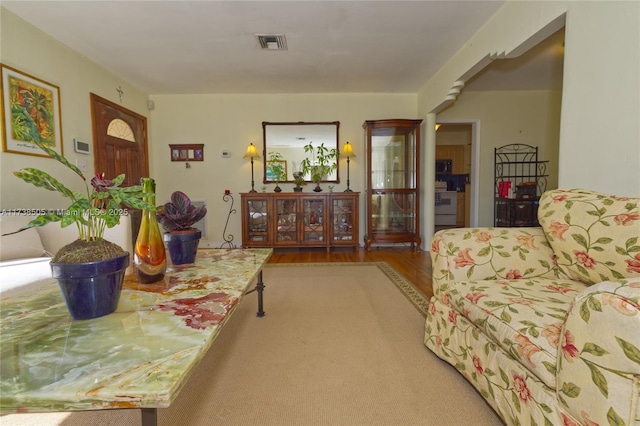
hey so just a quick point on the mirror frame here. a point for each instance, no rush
(308, 137)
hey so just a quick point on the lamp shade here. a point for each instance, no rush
(347, 150)
(252, 152)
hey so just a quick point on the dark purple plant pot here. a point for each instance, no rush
(91, 289)
(182, 246)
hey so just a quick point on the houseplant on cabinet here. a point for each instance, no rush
(276, 169)
(298, 179)
(323, 162)
(89, 270)
(177, 218)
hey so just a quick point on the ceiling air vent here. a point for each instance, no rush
(272, 41)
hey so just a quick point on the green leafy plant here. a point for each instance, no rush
(275, 167)
(99, 208)
(179, 214)
(299, 181)
(322, 161)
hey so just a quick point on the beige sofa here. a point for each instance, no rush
(25, 256)
(545, 322)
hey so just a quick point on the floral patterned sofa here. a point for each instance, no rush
(545, 322)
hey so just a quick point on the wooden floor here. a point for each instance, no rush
(415, 266)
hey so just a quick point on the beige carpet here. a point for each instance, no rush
(339, 345)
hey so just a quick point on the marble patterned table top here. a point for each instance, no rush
(137, 357)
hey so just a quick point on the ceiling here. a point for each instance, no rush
(171, 47)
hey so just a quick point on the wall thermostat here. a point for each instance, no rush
(81, 147)
(225, 153)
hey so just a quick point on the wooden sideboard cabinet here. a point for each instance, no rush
(298, 219)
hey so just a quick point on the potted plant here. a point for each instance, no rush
(177, 218)
(275, 168)
(298, 179)
(89, 270)
(323, 161)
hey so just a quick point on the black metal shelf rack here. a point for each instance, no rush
(519, 180)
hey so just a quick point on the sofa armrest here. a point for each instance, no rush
(598, 376)
(463, 254)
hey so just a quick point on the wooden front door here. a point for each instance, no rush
(120, 141)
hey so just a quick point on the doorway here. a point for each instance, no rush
(120, 141)
(459, 142)
(120, 147)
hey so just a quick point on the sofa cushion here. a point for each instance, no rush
(25, 244)
(595, 237)
(523, 316)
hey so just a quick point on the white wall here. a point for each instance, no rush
(231, 122)
(527, 117)
(24, 47)
(600, 134)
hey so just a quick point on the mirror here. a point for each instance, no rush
(284, 144)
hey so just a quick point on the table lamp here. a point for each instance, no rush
(252, 152)
(348, 151)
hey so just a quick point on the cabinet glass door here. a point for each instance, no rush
(257, 220)
(393, 159)
(393, 182)
(393, 212)
(314, 217)
(343, 219)
(287, 221)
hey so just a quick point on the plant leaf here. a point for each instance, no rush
(598, 379)
(181, 201)
(585, 314)
(632, 352)
(594, 349)
(614, 419)
(58, 157)
(570, 389)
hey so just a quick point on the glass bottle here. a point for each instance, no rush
(150, 259)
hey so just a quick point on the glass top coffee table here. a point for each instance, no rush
(140, 356)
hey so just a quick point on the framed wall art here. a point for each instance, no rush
(187, 152)
(31, 109)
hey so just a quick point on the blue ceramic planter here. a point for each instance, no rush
(182, 247)
(91, 289)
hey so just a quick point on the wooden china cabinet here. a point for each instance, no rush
(393, 181)
(297, 219)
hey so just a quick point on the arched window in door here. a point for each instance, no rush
(120, 129)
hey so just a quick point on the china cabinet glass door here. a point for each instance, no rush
(287, 220)
(257, 220)
(313, 213)
(344, 214)
(393, 179)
